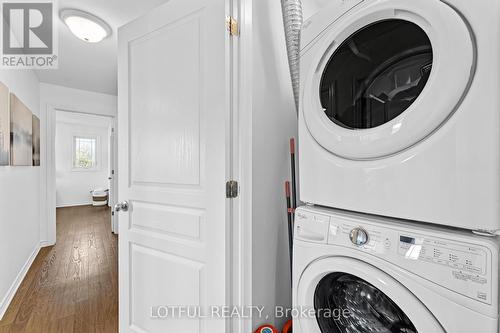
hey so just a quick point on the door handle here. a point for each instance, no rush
(122, 206)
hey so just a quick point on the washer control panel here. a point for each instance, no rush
(463, 257)
(464, 264)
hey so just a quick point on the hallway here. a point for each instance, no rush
(72, 286)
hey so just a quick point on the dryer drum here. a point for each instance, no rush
(367, 308)
(376, 74)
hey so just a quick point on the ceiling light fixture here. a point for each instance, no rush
(85, 26)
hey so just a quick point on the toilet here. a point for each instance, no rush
(99, 197)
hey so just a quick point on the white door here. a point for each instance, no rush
(173, 119)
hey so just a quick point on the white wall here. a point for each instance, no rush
(52, 98)
(19, 199)
(77, 100)
(274, 122)
(73, 186)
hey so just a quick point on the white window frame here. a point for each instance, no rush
(96, 166)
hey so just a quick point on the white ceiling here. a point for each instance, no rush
(88, 66)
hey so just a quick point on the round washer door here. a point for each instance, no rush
(386, 76)
(349, 295)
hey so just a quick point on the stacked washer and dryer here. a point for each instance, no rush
(399, 146)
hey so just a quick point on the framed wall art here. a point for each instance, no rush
(21, 133)
(36, 140)
(4, 126)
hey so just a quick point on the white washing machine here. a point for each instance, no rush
(400, 110)
(359, 274)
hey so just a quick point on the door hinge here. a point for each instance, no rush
(231, 189)
(232, 26)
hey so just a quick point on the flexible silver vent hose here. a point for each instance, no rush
(292, 20)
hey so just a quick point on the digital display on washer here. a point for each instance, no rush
(407, 240)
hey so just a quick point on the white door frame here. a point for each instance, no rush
(241, 245)
(113, 182)
(50, 160)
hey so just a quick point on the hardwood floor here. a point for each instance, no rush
(72, 286)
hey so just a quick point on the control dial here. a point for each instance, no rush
(358, 236)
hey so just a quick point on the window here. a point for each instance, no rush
(376, 74)
(84, 152)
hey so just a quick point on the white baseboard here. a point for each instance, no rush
(74, 204)
(45, 243)
(17, 282)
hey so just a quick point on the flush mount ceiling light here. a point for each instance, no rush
(85, 26)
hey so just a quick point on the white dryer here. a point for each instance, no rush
(358, 274)
(400, 110)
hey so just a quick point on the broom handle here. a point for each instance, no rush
(290, 224)
(294, 182)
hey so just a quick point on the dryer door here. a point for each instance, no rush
(352, 296)
(386, 76)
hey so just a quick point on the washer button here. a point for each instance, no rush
(387, 243)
